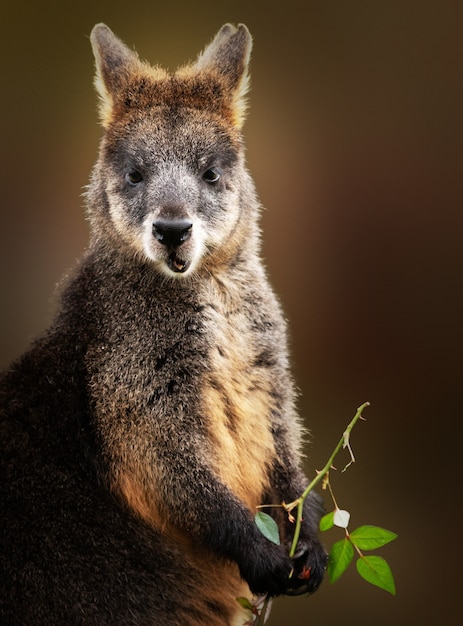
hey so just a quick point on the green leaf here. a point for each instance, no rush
(376, 570)
(339, 559)
(268, 527)
(371, 537)
(327, 521)
(245, 603)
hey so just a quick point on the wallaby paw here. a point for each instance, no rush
(309, 565)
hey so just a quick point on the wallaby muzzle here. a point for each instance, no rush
(172, 233)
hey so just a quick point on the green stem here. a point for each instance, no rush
(343, 443)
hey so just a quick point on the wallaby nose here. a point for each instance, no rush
(172, 233)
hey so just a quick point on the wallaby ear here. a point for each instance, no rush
(114, 62)
(228, 55)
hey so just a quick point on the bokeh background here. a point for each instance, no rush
(354, 139)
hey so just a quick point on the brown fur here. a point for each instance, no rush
(157, 412)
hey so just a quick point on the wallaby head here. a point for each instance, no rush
(170, 186)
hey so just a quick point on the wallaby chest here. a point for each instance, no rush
(184, 366)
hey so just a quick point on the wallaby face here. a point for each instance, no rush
(141, 432)
(174, 177)
(172, 195)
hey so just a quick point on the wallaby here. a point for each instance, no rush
(140, 432)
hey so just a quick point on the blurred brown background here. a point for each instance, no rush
(355, 142)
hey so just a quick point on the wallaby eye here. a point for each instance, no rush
(133, 177)
(212, 175)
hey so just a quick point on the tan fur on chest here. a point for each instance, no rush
(238, 402)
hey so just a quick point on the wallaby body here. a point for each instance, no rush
(142, 430)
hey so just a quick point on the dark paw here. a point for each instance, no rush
(268, 571)
(309, 564)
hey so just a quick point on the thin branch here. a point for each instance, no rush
(343, 443)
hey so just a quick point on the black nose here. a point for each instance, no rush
(172, 233)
